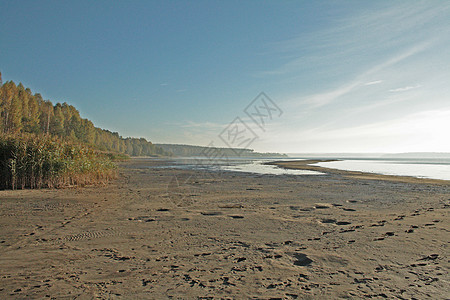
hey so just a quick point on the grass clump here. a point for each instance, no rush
(29, 161)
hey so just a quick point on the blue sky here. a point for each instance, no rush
(349, 76)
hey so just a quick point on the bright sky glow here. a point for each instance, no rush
(350, 76)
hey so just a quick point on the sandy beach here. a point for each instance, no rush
(158, 233)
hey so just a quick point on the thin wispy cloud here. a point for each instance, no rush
(203, 125)
(367, 33)
(324, 98)
(373, 82)
(404, 89)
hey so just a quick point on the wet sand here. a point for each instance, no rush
(308, 164)
(160, 232)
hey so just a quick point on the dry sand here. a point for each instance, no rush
(230, 235)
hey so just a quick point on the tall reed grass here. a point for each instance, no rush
(29, 161)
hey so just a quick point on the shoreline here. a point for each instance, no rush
(306, 165)
(162, 232)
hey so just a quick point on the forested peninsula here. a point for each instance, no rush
(191, 151)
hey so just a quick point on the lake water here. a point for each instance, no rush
(421, 168)
(259, 167)
(247, 165)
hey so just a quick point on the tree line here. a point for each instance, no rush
(214, 152)
(21, 111)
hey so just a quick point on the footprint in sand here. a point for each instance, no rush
(212, 213)
(302, 259)
(343, 223)
(348, 209)
(430, 257)
(300, 208)
(389, 233)
(142, 219)
(322, 206)
(333, 221)
(231, 205)
(411, 229)
(328, 221)
(306, 209)
(237, 217)
(380, 223)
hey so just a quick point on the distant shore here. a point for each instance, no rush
(307, 165)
